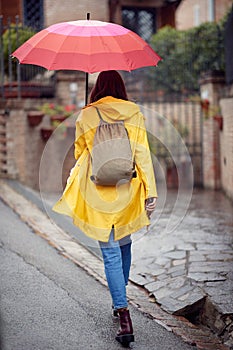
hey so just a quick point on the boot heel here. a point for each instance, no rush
(125, 333)
(125, 339)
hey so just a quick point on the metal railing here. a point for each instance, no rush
(18, 80)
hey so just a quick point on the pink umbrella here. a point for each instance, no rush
(87, 45)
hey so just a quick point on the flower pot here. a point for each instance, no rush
(46, 133)
(55, 120)
(219, 120)
(34, 118)
(172, 177)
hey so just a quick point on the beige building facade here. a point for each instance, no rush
(72, 10)
(192, 13)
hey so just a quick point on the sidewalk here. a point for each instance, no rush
(183, 279)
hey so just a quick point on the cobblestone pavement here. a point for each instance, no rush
(189, 270)
(182, 274)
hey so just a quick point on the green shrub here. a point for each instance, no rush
(12, 38)
(186, 54)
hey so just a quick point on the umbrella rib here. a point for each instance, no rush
(59, 47)
(109, 49)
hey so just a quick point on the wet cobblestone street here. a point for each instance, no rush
(189, 269)
(184, 262)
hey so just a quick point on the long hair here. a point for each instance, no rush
(108, 83)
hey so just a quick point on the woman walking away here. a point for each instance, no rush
(106, 211)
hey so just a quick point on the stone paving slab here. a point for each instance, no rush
(185, 294)
(192, 263)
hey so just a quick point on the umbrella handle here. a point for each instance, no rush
(86, 92)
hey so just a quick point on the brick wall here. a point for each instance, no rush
(190, 12)
(211, 154)
(73, 10)
(221, 7)
(64, 81)
(56, 161)
(29, 158)
(23, 144)
(226, 146)
(218, 136)
(211, 87)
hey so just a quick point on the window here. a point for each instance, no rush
(33, 13)
(196, 15)
(211, 9)
(140, 20)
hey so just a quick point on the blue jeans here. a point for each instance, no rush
(117, 261)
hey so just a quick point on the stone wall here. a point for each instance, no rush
(37, 162)
(226, 146)
(218, 135)
(65, 81)
(211, 86)
(211, 155)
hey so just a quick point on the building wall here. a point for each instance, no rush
(104, 10)
(226, 146)
(221, 7)
(191, 13)
(10, 9)
(73, 10)
(35, 162)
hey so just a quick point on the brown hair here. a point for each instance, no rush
(108, 83)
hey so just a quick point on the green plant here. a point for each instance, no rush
(53, 109)
(186, 54)
(12, 38)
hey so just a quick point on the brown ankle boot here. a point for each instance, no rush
(125, 333)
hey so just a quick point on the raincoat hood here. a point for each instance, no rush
(115, 109)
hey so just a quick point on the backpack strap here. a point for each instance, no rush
(100, 116)
(104, 121)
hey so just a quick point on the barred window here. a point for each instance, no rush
(140, 20)
(33, 13)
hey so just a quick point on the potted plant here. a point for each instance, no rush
(46, 132)
(58, 113)
(212, 111)
(35, 118)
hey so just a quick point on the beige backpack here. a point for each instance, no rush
(112, 158)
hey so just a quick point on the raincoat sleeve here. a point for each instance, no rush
(80, 141)
(143, 160)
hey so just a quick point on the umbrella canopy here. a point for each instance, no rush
(87, 45)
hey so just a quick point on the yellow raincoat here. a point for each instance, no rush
(95, 209)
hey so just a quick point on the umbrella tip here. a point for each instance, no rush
(88, 16)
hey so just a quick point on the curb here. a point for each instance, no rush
(43, 226)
